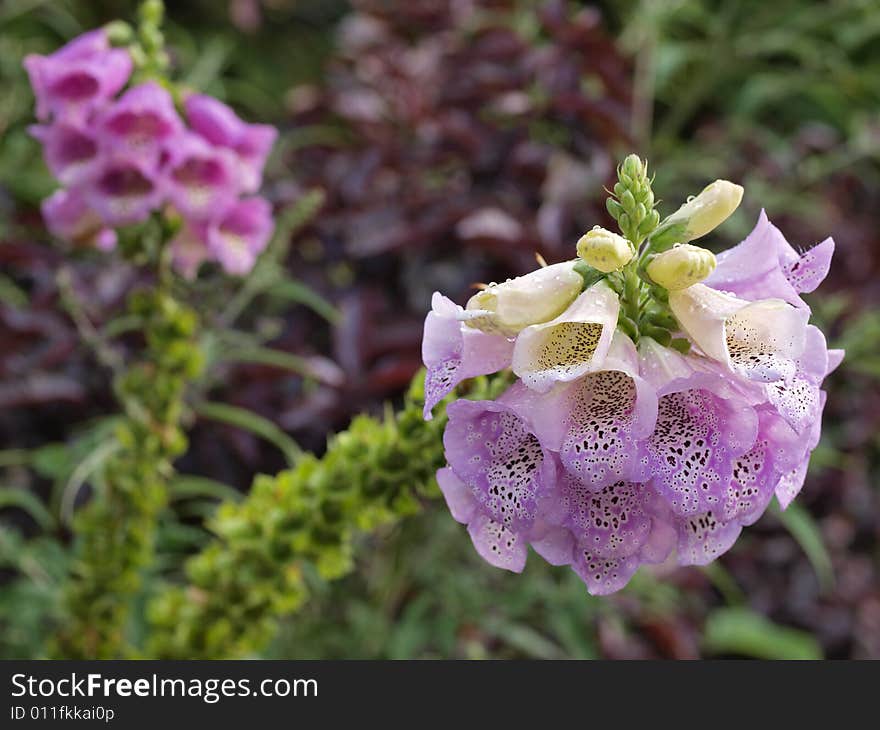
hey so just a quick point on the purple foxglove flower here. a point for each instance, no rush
(572, 344)
(618, 529)
(68, 216)
(123, 191)
(501, 467)
(220, 126)
(765, 266)
(139, 123)
(70, 151)
(453, 352)
(76, 78)
(240, 234)
(759, 340)
(200, 178)
(597, 423)
(189, 249)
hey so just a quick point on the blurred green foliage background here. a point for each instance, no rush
(781, 97)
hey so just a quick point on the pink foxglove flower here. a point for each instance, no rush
(140, 124)
(200, 178)
(71, 82)
(68, 216)
(123, 190)
(605, 455)
(250, 144)
(240, 234)
(70, 150)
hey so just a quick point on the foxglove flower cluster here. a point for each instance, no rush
(121, 154)
(657, 408)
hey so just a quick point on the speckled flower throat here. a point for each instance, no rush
(662, 396)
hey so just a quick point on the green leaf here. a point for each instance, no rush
(803, 528)
(309, 368)
(296, 291)
(254, 423)
(28, 502)
(745, 633)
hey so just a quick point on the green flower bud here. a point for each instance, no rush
(518, 303)
(604, 250)
(681, 266)
(708, 210)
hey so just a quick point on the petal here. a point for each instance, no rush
(693, 446)
(554, 544)
(611, 522)
(493, 451)
(498, 545)
(603, 575)
(459, 498)
(453, 352)
(811, 268)
(703, 537)
(572, 344)
(835, 357)
(754, 268)
(759, 340)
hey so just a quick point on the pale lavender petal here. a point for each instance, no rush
(453, 352)
(498, 545)
(241, 234)
(755, 475)
(459, 498)
(603, 575)
(811, 268)
(693, 447)
(792, 481)
(554, 544)
(611, 522)
(494, 453)
(598, 423)
(835, 357)
(704, 537)
(753, 269)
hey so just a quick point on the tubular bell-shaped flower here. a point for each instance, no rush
(495, 455)
(70, 150)
(68, 216)
(78, 76)
(201, 178)
(240, 233)
(123, 190)
(453, 352)
(506, 309)
(140, 123)
(220, 126)
(760, 340)
(572, 344)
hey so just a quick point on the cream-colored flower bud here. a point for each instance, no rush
(709, 209)
(604, 250)
(540, 296)
(681, 266)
